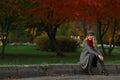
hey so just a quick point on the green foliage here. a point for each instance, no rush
(63, 30)
(18, 35)
(42, 43)
(64, 43)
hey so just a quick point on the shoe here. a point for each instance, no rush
(105, 73)
(90, 72)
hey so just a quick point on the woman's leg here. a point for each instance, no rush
(104, 71)
(91, 58)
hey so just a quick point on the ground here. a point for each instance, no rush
(76, 77)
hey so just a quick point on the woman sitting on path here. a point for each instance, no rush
(90, 54)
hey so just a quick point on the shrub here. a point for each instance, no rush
(42, 43)
(18, 35)
(65, 43)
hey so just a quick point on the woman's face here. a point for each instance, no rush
(90, 37)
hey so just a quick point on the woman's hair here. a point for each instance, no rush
(94, 42)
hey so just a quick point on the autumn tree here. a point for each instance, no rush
(8, 12)
(106, 14)
(109, 21)
(52, 14)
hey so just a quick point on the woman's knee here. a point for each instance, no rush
(92, 55)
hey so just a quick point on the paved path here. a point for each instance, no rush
(76, 77)
(22, 71)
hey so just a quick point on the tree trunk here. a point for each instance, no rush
(112, 43)
(101, 37)
(5, 26)
(51, 32)
(56, 47)
(97, 35)
(4, 40)
(3, 50)
(84, 28)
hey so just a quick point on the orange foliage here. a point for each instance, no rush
(57, 11)
(103, 9)
(60, 11)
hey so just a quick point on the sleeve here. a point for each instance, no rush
(90, 49)
(98, 52)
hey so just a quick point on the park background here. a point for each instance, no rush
(52, 31)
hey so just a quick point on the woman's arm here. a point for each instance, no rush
(90, 49)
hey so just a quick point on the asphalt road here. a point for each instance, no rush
(76, 77)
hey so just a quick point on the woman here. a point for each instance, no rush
(91, 54)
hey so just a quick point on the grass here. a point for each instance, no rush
(114, 58)
(29, 55)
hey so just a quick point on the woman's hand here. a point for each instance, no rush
(101, 57)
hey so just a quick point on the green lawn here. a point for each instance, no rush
(25, 55)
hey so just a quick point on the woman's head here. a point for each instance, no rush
(90, 35)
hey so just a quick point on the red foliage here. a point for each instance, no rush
(59, 11)
(103, 9)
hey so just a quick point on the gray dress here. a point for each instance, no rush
(84, 57)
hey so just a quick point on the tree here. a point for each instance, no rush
(8, 12)
(112, 35)
(111, 19)
(52, 14)
(106, 15)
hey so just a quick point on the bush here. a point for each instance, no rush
(18, 35)
(65, 43)
(42, 43)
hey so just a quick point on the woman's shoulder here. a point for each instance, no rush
(85, 41)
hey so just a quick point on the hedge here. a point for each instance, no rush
(65, 43)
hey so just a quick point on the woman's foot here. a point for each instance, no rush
(90, 72)
(105, 73)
